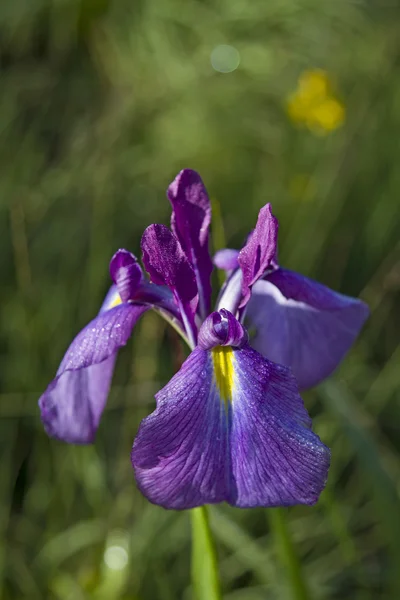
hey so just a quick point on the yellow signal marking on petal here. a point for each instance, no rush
(222, 357)
(115, 302)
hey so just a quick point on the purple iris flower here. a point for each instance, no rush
(230, 425)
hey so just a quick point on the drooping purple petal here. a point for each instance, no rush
(167, 264)
(259, 252)
(303, 324)
(181, 452)
(72, 404)
(230, 427)
(126, 273)
(226, 259)
(190, 221)
(278, 460)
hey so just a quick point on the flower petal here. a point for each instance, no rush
(226, 259)
(181, 450)
(167, 264)
(126, 273)
(229, 426)
(303, 324)
(231, 292)
(259, 252)
(72, 404)
(222, 329)
(277, 459)
(190, 222)
(112, 299)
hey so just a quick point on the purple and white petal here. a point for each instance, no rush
(259, 252)
(245, 440)
(72, 404)
(190, 222)
(303, 324)
(126, 273)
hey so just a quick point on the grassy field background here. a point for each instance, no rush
(102, 102)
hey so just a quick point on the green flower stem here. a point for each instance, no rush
(205, 577)
(287, 553)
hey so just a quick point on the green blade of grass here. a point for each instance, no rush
(287, 553)
(243, 549)
(340, 403)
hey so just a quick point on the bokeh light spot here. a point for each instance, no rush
(225, 59)
(116, 558)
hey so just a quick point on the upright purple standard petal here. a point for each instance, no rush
(259, 252)
(229, 426)
(72, 404)
(303, 324)
(190, 222)
(168, 265)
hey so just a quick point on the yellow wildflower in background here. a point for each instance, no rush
(313, 103)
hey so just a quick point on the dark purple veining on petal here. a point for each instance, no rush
(276, 458)
(181, 452)
(258, 450)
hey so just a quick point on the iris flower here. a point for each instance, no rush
(230, 425)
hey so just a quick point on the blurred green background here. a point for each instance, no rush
(102, 102)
